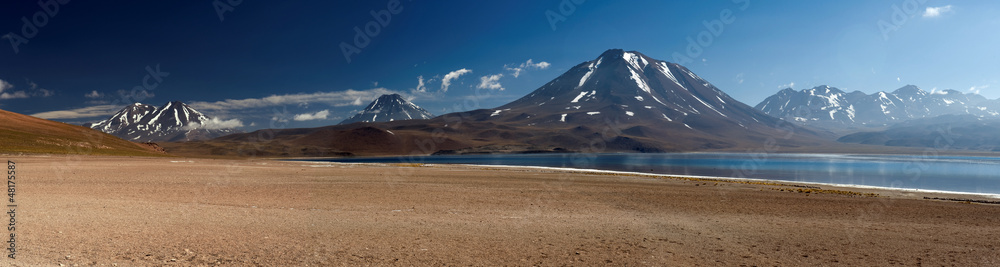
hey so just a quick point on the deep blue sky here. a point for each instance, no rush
(277, 59)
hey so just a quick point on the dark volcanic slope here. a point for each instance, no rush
(619, 102)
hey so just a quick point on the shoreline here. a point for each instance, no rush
(723, 178)
(990, 196)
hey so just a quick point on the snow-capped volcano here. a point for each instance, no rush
(823, 105)
(174, 121)
(629, 86)
(389, 108)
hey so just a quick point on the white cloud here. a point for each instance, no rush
(789, 85)
(13, 95)
(35, 91)
(336, 99)
(85, 112)
(39, 91)
(516, 71)
(93, 94)
(490, 82)
(357, 102)
(977, 89)
(4, 85)
(739, 78)
(215, 124)
(321, 115)
(933, 12)
(446, 81)
(421, 87)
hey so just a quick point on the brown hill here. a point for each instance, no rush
(26, 134)
(473, 132)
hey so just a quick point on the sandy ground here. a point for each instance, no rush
(146, 212)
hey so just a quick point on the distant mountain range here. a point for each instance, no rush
(388, 108)
(621, 101)
(826, 106)
(173, 122)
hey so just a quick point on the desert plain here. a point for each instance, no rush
(140, 211)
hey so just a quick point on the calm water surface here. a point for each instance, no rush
(947, 173)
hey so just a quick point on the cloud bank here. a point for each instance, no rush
(320, 115)
(337, 99)
(85, 112)
(215, 124)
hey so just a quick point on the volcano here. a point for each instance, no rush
(174, 121)
(388, 108)
(631, 87)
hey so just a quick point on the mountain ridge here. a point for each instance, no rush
(825, 106)
(174, 121)
(621, 101)
(389, 107)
